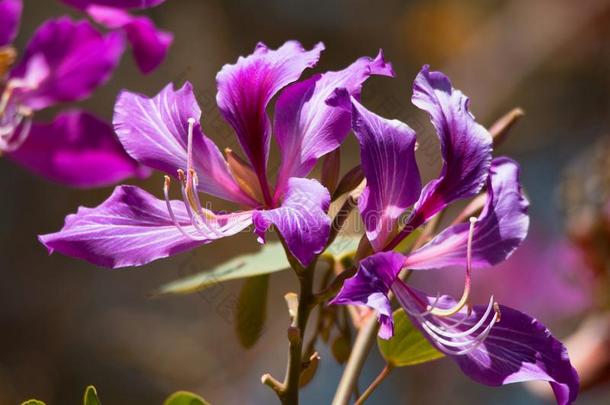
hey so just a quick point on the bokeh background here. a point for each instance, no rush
(65, 324)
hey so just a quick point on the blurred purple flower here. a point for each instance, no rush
(64, 61)
(492, 344)
(124, 4)
(163, 132)
(149, 44)
(10, 16)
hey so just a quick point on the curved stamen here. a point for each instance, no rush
(426, 312)
(171, 211)
(208, 214)
(467, 332)
(190, 203)
(466, 346)
(469, 346)
(189, 149)
(6, 96)
(14, 133)
(191, 181)
(466, 294)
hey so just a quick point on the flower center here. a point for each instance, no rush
(203, 219)
(454, 331)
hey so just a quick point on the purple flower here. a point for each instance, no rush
(10, 16)
(149, 44)
(123, 4)
(65, 61)
(163, 132)
(492, 344)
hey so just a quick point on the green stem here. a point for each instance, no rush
(366, 334)
(367, 393)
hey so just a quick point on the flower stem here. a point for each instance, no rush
(360, 351)
(289, 395)
(371, 388)
(366, 334)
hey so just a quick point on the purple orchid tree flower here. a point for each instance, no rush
(492, 344)
(149, 44)
(132, 227)
(65, 61)
(10, 17)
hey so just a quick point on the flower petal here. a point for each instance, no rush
(154, 131)
(76, 149)
(371, 285)
(499, 230)
(246, 87)
(301, 219)
(520, 348)
(78, 59)
(132, 228)
(387, 149)
(125, 4)
(10, 16)
(517, 348)
(306, 128)
(149, 44)
(465, 145)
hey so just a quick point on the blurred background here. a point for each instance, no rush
(65, 324)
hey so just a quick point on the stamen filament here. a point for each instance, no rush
(14, 134)
(166, 185)
(468, 331)
(472, 344)
(467, 283)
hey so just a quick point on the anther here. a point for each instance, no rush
(181, 175)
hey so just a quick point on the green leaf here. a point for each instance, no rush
(343, 245)
(407, 243)
(185, 398)
(270, 259)
(252, 309)
(90, 397)
(33, 402)
(408, 346)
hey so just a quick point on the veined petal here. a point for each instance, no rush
(520, 348)
(371, 285)
(77, 59)
(132, 228)
(387, 150)
(499, 230)
(246, 87)
(493, 344)
(149, 44)
(10, 17)
(76, 149)
(465, 145)
(514, 347)
(154, 131)
(125, 4)
(301, 220)
(306, 128)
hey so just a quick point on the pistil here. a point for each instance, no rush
(467, 283)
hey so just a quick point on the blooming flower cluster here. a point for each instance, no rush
(65, 61)
(132, 227)
(492, 344)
